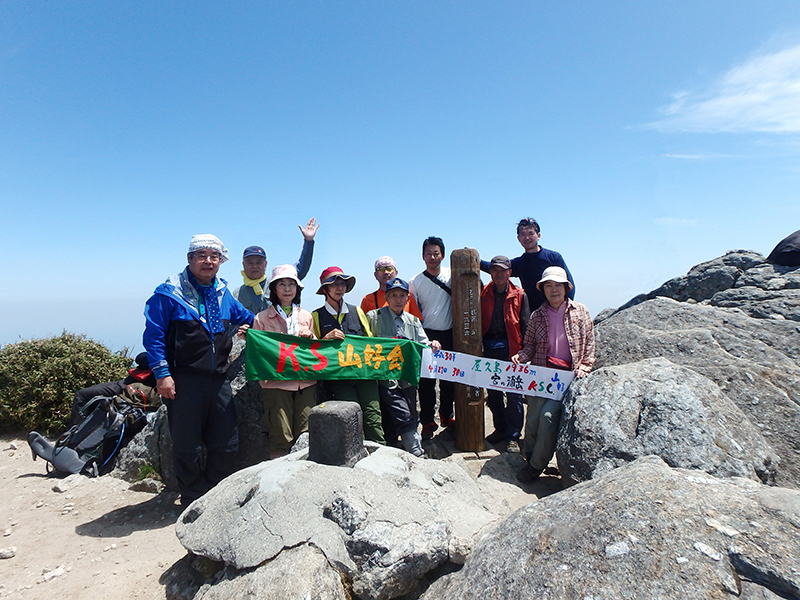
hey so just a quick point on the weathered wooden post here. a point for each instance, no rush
(465, 282)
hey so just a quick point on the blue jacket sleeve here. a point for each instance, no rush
(485, 266)
(303, 264)
(157, 315)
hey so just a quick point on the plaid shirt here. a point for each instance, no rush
(580, 335)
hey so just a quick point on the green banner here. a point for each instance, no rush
(277, 356)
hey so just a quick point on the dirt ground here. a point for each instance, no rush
(93, 539)
(82, 538)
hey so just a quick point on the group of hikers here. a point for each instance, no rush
(191, 318)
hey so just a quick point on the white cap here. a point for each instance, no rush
(212, 242)
(556, 274)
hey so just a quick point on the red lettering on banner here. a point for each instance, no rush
(284, 353)
(323, 361)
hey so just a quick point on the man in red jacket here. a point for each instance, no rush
(505, 313)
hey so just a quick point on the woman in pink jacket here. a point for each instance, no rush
(286, 403)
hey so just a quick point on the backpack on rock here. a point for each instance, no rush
(106, 424)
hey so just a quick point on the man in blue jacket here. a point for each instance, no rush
(187, 336)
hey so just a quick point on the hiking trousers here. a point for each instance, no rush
(202, 414)
(541, 430)
(427, 387)
(286, 413)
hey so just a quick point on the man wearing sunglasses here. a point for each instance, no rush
(530, 266)
(385, 271)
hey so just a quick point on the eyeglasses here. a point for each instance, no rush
(203, 257)
(387, 269)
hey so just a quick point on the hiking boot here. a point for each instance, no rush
(528, 474)
(513, 447)
(428, 429)
(447, 422)
(496, 437)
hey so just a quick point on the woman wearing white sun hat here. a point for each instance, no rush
(560, 335)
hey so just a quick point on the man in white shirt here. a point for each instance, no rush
(431, 288)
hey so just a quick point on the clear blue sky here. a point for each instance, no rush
(645, 137)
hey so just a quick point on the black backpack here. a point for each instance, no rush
(90, 447)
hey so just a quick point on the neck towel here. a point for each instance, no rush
(254, 283)
(209, 305)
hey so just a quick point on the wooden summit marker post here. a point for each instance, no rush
(465, 283)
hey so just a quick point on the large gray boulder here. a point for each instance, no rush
(151, 448)
(641, 531)
(703, 281)
(755, 362)
(654, 407)
(765, 291)
(300, 573)
(386, 524)
(740, 279)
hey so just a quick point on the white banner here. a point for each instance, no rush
(495, 374)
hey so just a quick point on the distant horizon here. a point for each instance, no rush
(643, 137)
(354, 297)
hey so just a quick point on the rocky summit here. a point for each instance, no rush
(389, 523)
(680, 454)
(644, 530)
(741, 330)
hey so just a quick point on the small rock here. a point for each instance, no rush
(618, 549)
(39, 504)
(48, 575)
(9, 552)
(7, 532)
(729, 531)
(68, 483)
(681, 560)
(149, 485)
(13, 446)
(708, 551)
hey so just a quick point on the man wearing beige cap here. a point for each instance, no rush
(504, 317)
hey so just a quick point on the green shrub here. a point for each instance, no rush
(39, 378)
(147, 471)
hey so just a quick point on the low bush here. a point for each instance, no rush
(39, 378)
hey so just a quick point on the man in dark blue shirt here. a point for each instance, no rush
(530, 266)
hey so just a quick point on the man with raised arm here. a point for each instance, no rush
(253, 293)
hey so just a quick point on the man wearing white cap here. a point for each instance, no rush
(187, 339)
(386, 270)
